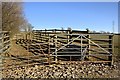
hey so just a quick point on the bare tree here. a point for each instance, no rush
(12, 16)
(69, 28)
(27, 27)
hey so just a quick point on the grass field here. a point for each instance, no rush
(117, 47)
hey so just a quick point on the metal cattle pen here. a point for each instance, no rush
(71, 45)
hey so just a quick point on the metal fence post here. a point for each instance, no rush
(110, 50)
(89, 45)
(56, 48)
(81, 48)
(68, 36)
(1, 62)
(49, 51)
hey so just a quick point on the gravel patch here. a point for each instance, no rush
(63, 70)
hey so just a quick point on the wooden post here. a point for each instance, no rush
(89, 46)
(111, 50)
(45, 32)
(68, 36)
(29, 41)
(16, 40)
(40, 35)
(26, 35)
(89, 43)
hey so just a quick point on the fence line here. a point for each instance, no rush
(4, 41)
(80, 44)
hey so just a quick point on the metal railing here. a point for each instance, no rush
(84, 41)
(72, 44)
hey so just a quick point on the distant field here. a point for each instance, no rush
(117, 46)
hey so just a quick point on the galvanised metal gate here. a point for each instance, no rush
(77, 44)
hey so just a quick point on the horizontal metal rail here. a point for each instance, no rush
(83, 34)
(82, 55)
(68, 43)
(97, 45)
(5, 43)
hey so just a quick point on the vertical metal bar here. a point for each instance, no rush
(56, 48)
(113, 52)
(40, 36)
(89, 45)
(81, 48)
(49, 51)
(70, 58)
(28, 52)
(70, 35)
(1, 57)
(97, 45)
